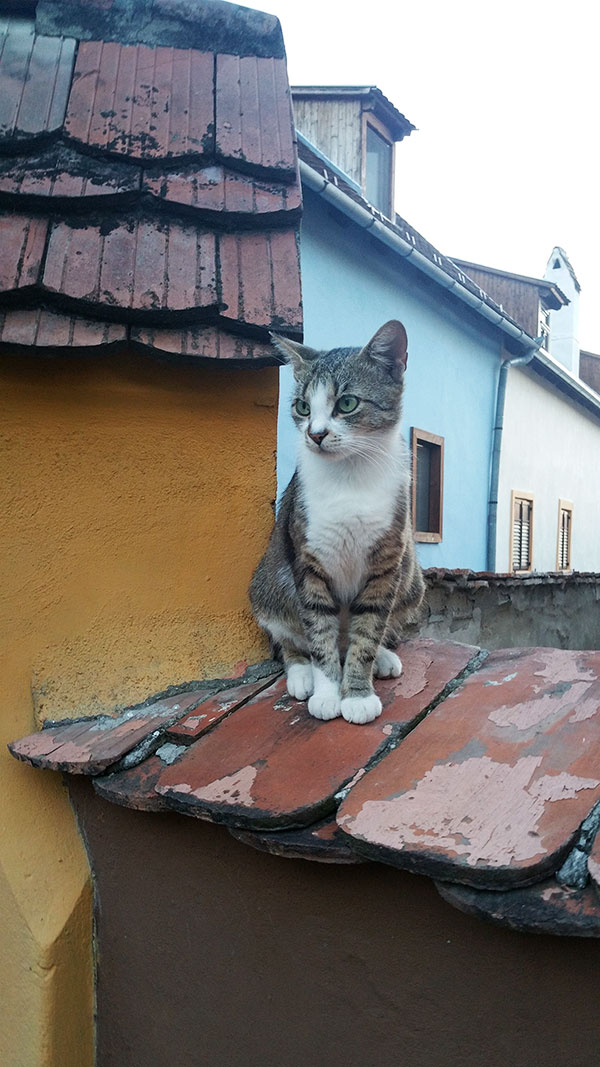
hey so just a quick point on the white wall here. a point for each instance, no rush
(564, 324)
(550, 448)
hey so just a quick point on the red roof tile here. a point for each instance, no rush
(143, 103)
(493, 786)
(35, 77)
(254, 124)
(45, 329)
(545, 908)
(251, 757)
(273, 765)
(126, 211)
(22, 240)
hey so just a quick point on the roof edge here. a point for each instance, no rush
(206, 25)
(540, 283)
(376, 101)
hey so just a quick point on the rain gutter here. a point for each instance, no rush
(388, 236)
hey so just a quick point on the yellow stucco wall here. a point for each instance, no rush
(136, 500)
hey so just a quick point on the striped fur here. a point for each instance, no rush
(340, 578)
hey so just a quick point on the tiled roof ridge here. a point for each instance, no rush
(476, 773)
(214, 24)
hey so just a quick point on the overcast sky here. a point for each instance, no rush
(506, 100)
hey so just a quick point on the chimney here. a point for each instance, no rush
(564, 324)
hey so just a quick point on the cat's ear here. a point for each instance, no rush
(300, 356)
(389, 348)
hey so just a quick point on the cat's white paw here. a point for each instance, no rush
(361, 709)
(387, 664)
(325, 706)
(300, 680)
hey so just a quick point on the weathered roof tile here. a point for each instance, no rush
(35, 77)
(140, 102)
(273, 765)
(22, 240)
(493, 786)
(545, 908)
(254, 126)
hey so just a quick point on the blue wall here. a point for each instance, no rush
(351, 285)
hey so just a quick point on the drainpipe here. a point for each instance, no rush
(496, 447)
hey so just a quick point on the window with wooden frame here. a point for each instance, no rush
(565, 536)
(521, 531)
(378, 165)
(427, 485)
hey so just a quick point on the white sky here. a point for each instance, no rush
(504, 163)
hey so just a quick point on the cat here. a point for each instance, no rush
(340, 577)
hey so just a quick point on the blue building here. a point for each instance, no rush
(362, 265)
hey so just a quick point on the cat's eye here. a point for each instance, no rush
(302, 408)
(347, 404)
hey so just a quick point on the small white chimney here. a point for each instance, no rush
(564, 324)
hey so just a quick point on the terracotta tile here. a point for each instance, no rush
(134, 788)
(204, 342)
(58, 172)
(322, 842)
(492, 787)
(545, 908)
(213, 708)
(219, 191)
(47, 329)
(253, 115)
(253, 289)
(146, 103)
(272, 765)
(35, 74)
(22, 241)
(90, 747)
(136, 266)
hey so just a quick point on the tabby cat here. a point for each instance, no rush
(340, 578)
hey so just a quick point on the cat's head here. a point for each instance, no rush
(347, 399)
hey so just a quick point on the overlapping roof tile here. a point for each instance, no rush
(480, 772)
(145, 185)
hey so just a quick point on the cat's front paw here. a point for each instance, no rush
(325, 706)
(387, 664)
(361, 709)
(300, 680)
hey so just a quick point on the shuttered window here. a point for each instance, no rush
(522, 532)
(565, 536)
(427, 484)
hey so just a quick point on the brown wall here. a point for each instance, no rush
(519, 299)
(589, 369)
(135, 500)
(212, 953)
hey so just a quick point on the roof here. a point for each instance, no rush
(555, 298)
(481, 773)
(148, 179)
(372, 100)
(325, 178)
(561, 252)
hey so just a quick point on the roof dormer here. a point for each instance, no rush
(357, 128)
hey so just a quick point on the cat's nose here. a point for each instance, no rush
(318, 438)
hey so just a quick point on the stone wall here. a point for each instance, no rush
(506, 611)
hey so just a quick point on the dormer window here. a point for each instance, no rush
(378, 168)
(357, 129)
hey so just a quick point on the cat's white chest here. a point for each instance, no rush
(345, 519)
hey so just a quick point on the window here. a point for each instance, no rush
(565, 536)
(427, 484)
(544, 327)
(378, 167)
(521, 532)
